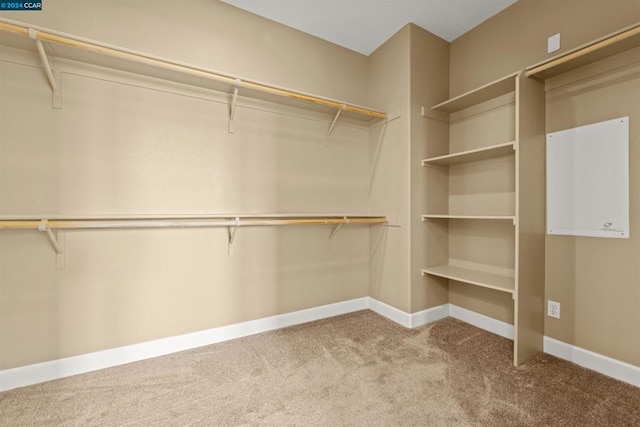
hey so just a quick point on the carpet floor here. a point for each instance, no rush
(358, 369)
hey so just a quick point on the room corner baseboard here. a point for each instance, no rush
(61, 368)
(429, 315)
(481, 321)
(390, 312)
(407, 320)
(596, 362)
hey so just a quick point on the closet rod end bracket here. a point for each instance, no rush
(231, 234)
(232, 104)
(52, 237)
(338, 227)
(335, 119)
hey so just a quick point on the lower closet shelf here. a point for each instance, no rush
(473, 277)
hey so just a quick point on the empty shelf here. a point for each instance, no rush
(484, 93)
(470, 217)
(498, 150)
(625, 39)
(473, 277)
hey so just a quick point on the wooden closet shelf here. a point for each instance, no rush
(187, 221)
(484, 93)
(470, 217)
(612, 44)
(17, 34)
(473, 277)
(494, 151)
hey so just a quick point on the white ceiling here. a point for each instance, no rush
(363, 25)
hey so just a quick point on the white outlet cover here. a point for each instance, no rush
(553, 43)
(553, 309)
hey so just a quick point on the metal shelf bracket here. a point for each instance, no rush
(52, 237)
(231, 234)
(232, 105)
(57, 98)
(338, 227)
(335, 119)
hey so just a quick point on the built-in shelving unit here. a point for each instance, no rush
(485, 199)
(485, 202)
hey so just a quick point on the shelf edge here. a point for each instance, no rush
(427, 271)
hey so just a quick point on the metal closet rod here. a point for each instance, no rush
(230, 221)
(130, 55)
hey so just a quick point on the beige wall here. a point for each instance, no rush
(429, 75)
(597, 280)
(407, 72)
(389, 172)
(517, 37)
(124, 144)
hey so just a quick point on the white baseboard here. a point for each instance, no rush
(390, 312)
(55, 369)
(597, 362)
(409, 320)
(481, 321)
(429, 315)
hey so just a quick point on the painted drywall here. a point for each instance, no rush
(517, 37)
(429, 76)
(125, 144)
(389, 182)
(402, 75)
(598, 281)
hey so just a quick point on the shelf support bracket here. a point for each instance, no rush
(57, 98)
(52, 238)
(232, 105)
(231, 234)
(338, 227)
(335, 119)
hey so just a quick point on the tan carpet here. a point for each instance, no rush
(353, 370)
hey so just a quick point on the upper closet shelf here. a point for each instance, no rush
(612, 44)
(484, 93)
(491, 152)
(23, 36)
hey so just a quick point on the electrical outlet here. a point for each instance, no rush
(553, 309)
